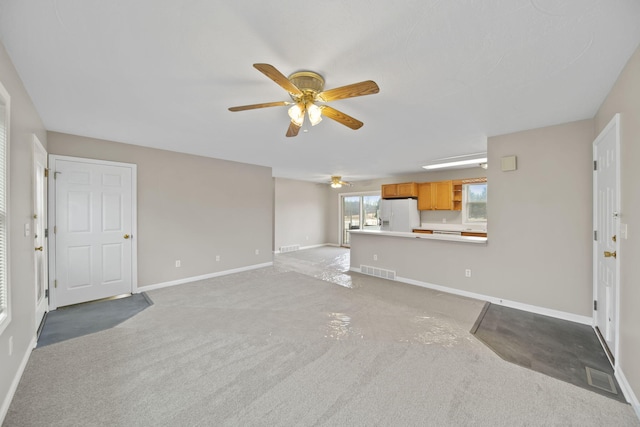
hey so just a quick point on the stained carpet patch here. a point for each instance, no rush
(559, 348)
(83, 319)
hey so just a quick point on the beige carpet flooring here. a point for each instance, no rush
(302, 343)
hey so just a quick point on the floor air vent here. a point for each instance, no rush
(600, 380)
(290, 248)
(378, 272)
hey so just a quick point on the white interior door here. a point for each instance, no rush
(94, 219)
(607, 241)
(39, 227)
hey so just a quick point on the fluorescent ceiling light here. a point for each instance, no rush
(451, 162)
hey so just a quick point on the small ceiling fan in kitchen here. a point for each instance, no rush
(307, 93)
(336, 182)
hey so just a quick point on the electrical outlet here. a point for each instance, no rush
(217, 257)
(444, 220)
(375, 257)
(257, 251)
(467, 272)
(178, 263)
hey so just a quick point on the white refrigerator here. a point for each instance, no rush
(399, 214)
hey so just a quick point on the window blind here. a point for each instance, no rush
(4, 142)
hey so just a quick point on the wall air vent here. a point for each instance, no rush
(378, 272)
(290, 248)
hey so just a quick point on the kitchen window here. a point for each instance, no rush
(474, 203)
(5, 312)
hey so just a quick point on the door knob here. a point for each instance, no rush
(126, 236)
(608, 254)
(39, 248)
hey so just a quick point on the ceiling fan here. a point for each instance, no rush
(336, 182)
(306, 88)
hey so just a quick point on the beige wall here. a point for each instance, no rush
(301, 210)
(190, 208)
(539, 247)
(24, 123)
(624, 98)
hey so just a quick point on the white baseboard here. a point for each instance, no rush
(16, 380)
(202, 277)
(628, 391)
(498, 301)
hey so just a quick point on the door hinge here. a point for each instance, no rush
(595, 165)
(55, 283)
(55, 229)
(46, 173)
(595, 235)
(595, 305)
(46, 233)
(46, 293)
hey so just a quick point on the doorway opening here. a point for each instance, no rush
(358, 211)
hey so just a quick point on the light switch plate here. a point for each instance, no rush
(27, 230)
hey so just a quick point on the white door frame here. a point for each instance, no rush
(612, 126)
(52, 219)
(40, 199)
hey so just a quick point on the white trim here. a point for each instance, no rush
(5, 318)
(16, 380)
(498, 301)
(614, 124)
(52, 217)
(628, 391)
(202, 277)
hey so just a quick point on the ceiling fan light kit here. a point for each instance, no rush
(336, 182)
(305, 89)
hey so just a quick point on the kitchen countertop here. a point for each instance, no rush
(438, 226)
(447, 237)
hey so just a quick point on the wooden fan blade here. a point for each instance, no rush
(275, 75)
(368, 87)
(341, 117)
(293, 129)
(263, 105)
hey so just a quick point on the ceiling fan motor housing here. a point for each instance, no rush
(308, 82)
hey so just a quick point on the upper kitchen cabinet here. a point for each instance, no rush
(400, 191)
(440, 195)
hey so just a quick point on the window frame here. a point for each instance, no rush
(5, 310)
(465, 204)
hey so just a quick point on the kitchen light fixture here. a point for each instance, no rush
(451, 162)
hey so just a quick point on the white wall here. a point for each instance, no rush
(24, 123)
(624, 98)
(301, 213)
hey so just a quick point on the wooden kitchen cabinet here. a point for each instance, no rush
(437, 196)
(457, 195)
(400, 191)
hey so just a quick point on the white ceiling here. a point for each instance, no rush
(162, 73)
